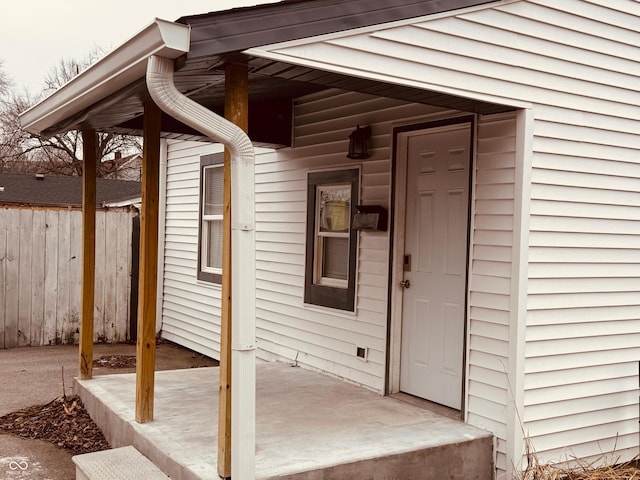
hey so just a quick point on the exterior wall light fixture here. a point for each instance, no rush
(358, 143)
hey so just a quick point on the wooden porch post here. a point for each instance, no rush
(236, 110)
(90, 159)
(147, 283)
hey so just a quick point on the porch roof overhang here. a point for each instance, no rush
(109, 96)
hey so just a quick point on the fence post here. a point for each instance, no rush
(135, 277)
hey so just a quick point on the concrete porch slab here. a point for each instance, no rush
(308, 426)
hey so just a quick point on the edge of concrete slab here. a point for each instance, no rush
(455, 461)
(107, 411)
(118, 424)
(460, 459)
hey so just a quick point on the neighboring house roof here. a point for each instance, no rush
(128, 167)
(50, 190)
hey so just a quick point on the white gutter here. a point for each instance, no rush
(123, 66)
(153, 50)
(136, 202)
(243, 359)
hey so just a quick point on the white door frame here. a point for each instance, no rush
(400, 146)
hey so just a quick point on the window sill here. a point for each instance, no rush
(215, 286)
(335, 312)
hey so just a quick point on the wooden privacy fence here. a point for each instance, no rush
(40, 275)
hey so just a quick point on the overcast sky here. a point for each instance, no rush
(36, 34)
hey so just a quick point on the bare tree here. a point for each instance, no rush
(5, 81)
(68, 68)
(9, 148)
(59, 154)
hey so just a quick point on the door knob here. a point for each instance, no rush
(405, 283)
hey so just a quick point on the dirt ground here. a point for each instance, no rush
(32, 378)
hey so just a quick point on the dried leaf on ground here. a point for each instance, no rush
(603, 468)
(115, 361)
(63, 423)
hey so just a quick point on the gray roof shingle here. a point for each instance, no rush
(50, 190)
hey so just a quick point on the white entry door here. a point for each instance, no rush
(435, 264)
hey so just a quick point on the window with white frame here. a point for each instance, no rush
(211, 213)
(331, 242)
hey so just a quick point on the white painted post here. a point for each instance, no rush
(243, 326)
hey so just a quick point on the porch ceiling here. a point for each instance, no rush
(221, 37)
(272, 88)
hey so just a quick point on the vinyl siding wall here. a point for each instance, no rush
(321, 338)
(288, 330)
(583, 305)
(190, 308)
(577, 65)
(490, 278)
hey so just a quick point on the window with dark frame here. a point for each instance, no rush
(331, 241)
(210, 218)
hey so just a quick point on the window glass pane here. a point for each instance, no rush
(334, 202)
(335, 257)
(213, 244)
(213, 190)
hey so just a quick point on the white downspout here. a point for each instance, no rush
(170, 100)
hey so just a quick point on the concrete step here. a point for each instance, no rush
(124, 463)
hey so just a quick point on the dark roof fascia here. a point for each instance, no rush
(220, 33)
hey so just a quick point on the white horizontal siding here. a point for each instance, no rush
(490, 282)
(582, 344)
(582, 348)
(321, 338)
(577, 63)
(190, 308)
